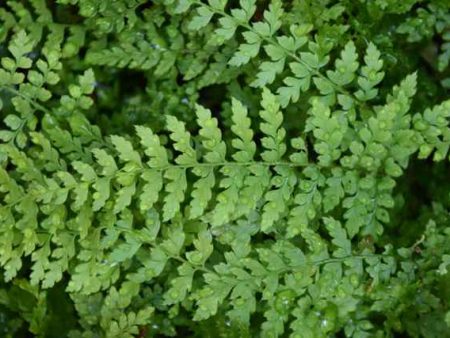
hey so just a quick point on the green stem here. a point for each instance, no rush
(229, 164)
(26, 98)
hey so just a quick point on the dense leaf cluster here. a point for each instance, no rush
(214, 168)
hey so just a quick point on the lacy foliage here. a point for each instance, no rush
(232, 169)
